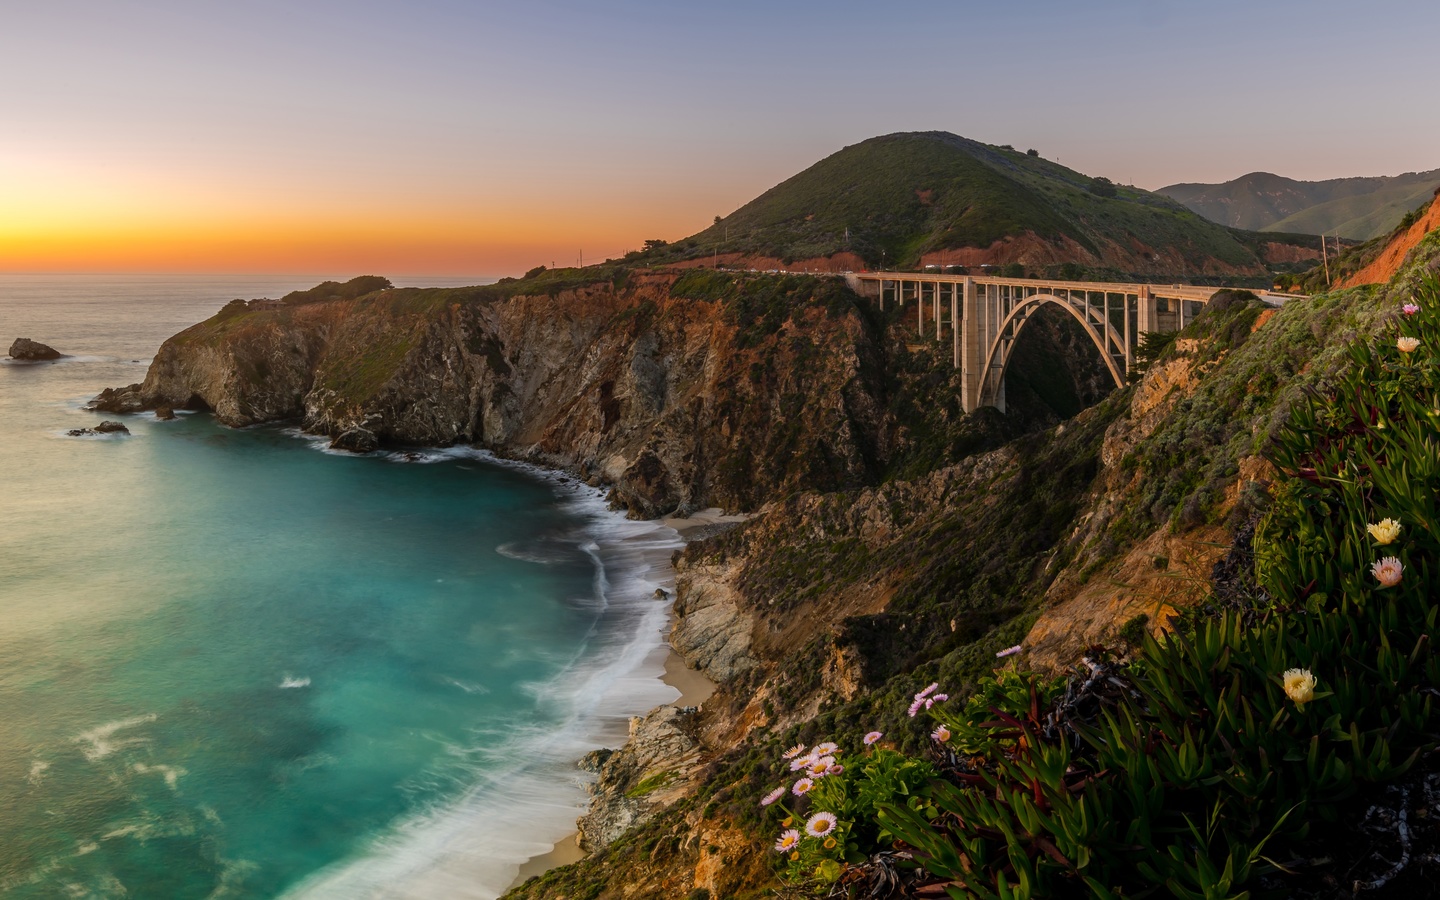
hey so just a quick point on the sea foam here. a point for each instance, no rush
(528, 790)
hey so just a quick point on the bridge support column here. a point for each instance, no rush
(955, 322)
(971, 350)
(1148, 318)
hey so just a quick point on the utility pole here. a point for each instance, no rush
(1325, 255)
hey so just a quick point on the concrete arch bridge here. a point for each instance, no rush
(992, 312)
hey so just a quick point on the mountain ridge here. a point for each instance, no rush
(920, 198)
(1358, 208)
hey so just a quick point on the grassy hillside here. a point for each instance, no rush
(893, 199)
(1356, 208)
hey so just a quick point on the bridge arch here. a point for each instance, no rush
(1106, 338)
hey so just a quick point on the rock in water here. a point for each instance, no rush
(356, 440)
(164, 413)
(108, 427)
(24, 348)
(119, 400)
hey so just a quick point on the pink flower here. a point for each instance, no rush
(825, 749)
(872, 737)
(1008, 651)
(941, 734)
(836, 769)
(940, 698)
(793, 752)
(923, 700)
(788, 840)
(1410, 309)
(773, 796)
(1387, 571)
(802, 787)
(820, 824)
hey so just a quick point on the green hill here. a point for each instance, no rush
(1356, 208)
(903, 199)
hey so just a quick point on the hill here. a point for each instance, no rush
(1356, 208)
(934, 198)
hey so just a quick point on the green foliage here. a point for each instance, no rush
(650, 783)
(1207, 767)
(334, 290)
(901, 196)
(1102, 187)
(850, 787)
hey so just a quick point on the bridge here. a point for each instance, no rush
(992, 313)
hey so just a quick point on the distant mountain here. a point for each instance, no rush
(1356, 208)
(925, 198)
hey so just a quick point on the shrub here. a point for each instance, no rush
(1214, 759)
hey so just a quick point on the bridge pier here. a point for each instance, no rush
(987, 316)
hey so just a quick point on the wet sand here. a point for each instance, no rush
(693, 686)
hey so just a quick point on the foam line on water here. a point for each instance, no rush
(528, 790)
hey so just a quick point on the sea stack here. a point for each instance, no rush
(26, 349)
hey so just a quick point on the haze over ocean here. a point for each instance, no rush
(235, 666)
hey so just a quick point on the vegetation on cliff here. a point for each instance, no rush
(1356, 208)
(897, 200)
(859, 599)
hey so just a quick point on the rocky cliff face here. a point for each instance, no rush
(678, 402)
(680, 390)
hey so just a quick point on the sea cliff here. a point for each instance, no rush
(894, 540)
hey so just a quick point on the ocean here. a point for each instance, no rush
(234, 664)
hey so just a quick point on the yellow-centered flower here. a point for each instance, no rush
(1299, 686)
(1384, 531)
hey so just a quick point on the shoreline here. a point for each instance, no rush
(693, 686)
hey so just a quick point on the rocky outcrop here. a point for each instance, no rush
(678, 403)
(106, 427)
(34, 351)
(657, 765)
(712, 631)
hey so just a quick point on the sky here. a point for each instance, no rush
(448, 137)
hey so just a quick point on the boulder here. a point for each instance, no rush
(24, 348)
(108, 427)
(356, 440)
(164, 413)
(118, 400)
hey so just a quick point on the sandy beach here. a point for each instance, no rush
(693, 686)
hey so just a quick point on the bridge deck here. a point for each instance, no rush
(1194, 293)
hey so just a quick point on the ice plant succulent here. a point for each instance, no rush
(1387, 570)
(1406, 344)
(1299, 685)
(820, 824)
(1410, 309)
(1384, 531)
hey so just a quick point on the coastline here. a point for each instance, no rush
(694, 688)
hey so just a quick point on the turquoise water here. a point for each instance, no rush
(234, 666)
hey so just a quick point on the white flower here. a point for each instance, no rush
(1407, 344)
(1299, 686)
(1387, 570)
(1384, 531)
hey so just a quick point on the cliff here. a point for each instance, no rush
(822, 615)
(895, 540)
